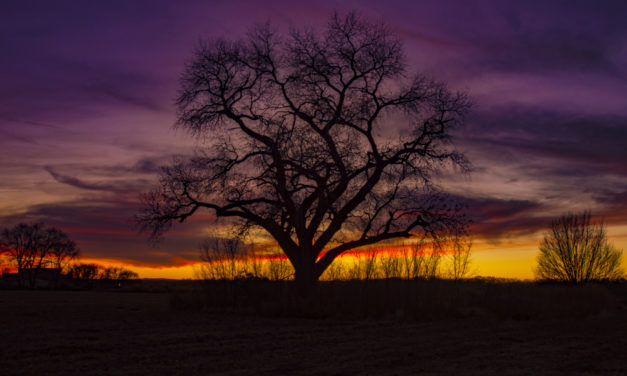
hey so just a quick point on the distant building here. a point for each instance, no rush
(49, 278)
(34, 278)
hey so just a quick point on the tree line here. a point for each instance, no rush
(231, 257)
(38, 252)
(575, 249)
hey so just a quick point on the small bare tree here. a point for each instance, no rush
(390, 266)
(335, 272)
(19, 243)
(63, 250)
(425, 259)
(116, 273)
(576, 249)
(369, 258)
(33, 247)
(84, 272)
(223, 257)
(459, 257)
(279, 269)
(89, 274)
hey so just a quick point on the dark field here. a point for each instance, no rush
(140, 333)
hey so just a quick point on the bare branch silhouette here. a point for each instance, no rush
(33, 247)
(322, 139)
(460, 257)
(576, 249)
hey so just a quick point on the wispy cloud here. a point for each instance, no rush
(76, 182)
(132, 184)
(577, 143)
(106, 229)
(6, 135)
(11, 120)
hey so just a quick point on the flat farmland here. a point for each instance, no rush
(138, 333)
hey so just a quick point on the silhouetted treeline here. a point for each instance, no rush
(37, 252)
(45, 257)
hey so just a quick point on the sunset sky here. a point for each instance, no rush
(87, 106)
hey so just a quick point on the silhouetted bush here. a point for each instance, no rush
(36, 252)
(577, 250)
(91, 275)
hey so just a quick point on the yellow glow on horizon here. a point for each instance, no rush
(513, 263)
(168, 272)
(174, 272)
(514, 258)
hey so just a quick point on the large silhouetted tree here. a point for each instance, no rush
(577, 250)
(320, 137)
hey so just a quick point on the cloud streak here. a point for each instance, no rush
(75, 182)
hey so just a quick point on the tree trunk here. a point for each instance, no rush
(306, 279)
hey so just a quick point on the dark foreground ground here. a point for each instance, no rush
(138, 333)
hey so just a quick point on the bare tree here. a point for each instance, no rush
(63, 250)
(116, 273)
(86, 274)
(89, 273)
(577, 250)
(370, 263)
(459, 257)
(321, 138)
(279, 269)
(335, 272)
(19, 243)
(222, 256)
(390, 266)
(33, 247)
(421, 260)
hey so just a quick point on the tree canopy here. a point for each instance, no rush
(322, 138)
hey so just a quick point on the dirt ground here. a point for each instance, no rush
(117, 333)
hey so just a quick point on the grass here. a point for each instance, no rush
(411, 300)
(382, 327)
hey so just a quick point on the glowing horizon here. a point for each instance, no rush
(500, 260)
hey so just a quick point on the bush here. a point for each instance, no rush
(577, 250)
